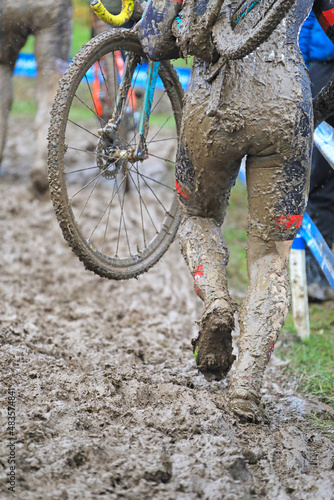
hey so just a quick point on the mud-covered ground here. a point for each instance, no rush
(109, 402)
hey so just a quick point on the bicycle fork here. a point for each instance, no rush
(140, 152)
(152, 74)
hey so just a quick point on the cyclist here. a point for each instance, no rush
(259, 106)
(50, 22)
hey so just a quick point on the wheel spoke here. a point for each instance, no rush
(147, 210)
(91, 95)
(89, 197)
(164, 139)
(154, 180)
(83, 128)
(81, 170)
(163, 159)
(108, 217)
(141, 209)
(89, 108)
(109, 205)
(90, 182)
(162, 126)
(155, 196)
(120, 220)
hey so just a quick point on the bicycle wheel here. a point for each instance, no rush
(118, 212)
(246, 24)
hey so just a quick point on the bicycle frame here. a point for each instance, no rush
(152, 74)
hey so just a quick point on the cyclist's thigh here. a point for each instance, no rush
(278, 182)
(13, 37)
(53, 40)
(209, 156)
(206, 170)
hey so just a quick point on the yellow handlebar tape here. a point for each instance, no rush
(105, 16)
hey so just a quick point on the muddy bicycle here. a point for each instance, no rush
(112, 179)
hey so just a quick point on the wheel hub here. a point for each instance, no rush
(108, 156)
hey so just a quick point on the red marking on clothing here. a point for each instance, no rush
(271, 350)
(198, 273)
(288, 221)
(326, 19)
(179, 190)
(180, 2)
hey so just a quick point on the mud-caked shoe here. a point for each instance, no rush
(213, 345)
(246, 406)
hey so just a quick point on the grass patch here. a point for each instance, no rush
(183, 62)
(82, 19)
(324, 427)
(164, 121)
(311, 360)
(81, 35)
(235, 234)
(24, 88)
(24, 97)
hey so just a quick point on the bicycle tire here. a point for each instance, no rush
(61, 154)
(234, 43)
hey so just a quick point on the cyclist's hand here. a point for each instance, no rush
(155, 33)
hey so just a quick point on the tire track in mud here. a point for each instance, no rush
(109, 401)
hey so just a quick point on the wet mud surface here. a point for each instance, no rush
(109, 402)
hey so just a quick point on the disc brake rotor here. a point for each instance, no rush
(107, 157)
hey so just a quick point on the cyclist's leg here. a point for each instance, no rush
(277, 195)
(11, 42)
(6, 100)
(205, 173)
(52, 45)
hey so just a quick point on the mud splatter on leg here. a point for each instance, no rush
(206, 254)
(261, 319)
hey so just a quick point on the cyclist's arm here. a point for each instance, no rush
(155, 29)
(324, 11)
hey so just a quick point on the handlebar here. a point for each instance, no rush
(117, 20)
